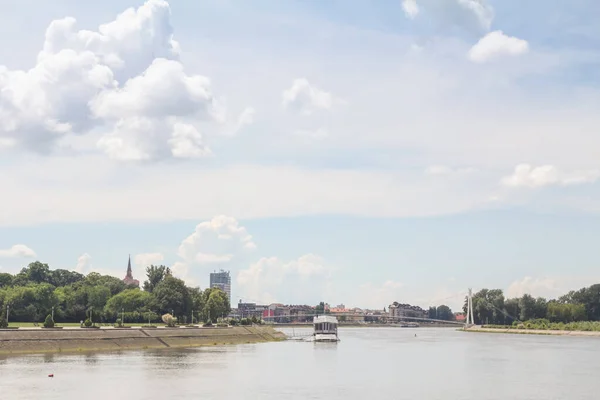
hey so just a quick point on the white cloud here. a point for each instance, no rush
(306, 98)
(410, 7)
(124, 80)
(17, 251)
(272, 280)
(495, 45)
(220, 241)
(84, 263)
(525, 175)
(473, 15)
(544, 287)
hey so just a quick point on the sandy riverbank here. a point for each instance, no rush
(21, 341)
(533, 332)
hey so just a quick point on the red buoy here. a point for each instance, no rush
(50, 375)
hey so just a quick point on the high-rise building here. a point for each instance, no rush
(222, 280)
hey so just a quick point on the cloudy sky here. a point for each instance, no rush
(350, 152)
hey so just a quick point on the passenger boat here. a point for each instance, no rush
(325, 328)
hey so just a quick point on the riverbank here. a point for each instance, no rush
(532, 331)
(358, 325)
(23, 341)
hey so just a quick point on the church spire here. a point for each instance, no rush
(129, 273)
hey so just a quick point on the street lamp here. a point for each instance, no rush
(52, 313)
(7, 308)
(122, 316)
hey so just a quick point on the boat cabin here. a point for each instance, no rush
(325, 328)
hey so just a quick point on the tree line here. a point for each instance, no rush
(491, 308)
(38, 291)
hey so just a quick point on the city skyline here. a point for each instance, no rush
(320, 151)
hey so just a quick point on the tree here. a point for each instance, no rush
(216, 304)
(172, 295)
(5, 279)
(49, 322)
(320, 308)
(3, 322)
(512, 310)
(155, 275)
(63, 277)
(37, 272)
(444, 313)
(527, 307)
(432, 313)
(131, 301)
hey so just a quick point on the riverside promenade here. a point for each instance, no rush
(42, 340)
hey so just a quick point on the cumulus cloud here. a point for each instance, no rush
(545, 287)
(125, 80)
(410, 7)
(525, 175)
(217, 242)
(472, 15)
(495, 45)
(306, 98)
(84, 263)
(272, 280)
(17, 251)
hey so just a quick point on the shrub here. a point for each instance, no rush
(49, 322)
(207, 324)
(119, 323)
(169, 320)
(3, 323)
(87, 323)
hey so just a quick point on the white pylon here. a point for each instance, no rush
(470, 320)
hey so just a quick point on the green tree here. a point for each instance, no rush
(216, 304)
(63, 277)
(172, 294)
(5, 280)
(130, 300)
(37, 272)
(512, 310)
(432, 313)
(155, 275)
(49, 322)
(3, 322)
(320, 308)
(444, 313)
(527, 305)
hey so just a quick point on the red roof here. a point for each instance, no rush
(460, 317)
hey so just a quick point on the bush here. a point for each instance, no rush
(87, 323)
(49, 322)
(119, 323)
(169, 320)
(3, 323)
(207, 324)
(246, 321)
(233, 322)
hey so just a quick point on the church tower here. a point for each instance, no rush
(129, 277)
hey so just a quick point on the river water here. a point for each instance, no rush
(368, 363)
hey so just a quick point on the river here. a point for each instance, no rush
(384, 363)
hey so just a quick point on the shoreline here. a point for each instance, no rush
(350, 325)
(40, 341)
(533, 332)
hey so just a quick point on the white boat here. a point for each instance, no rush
(325, 328)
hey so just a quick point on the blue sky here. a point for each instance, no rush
(321, 150)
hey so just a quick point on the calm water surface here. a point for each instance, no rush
(368, 363)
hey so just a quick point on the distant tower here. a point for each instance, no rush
(222, 280)
(129, 277)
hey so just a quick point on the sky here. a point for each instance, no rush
(357, 153)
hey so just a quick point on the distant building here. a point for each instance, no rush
(397, 310)
(460, 317)
(129, 277)
(222, 280)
